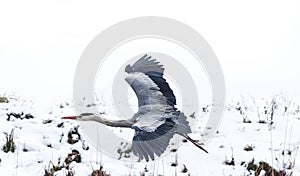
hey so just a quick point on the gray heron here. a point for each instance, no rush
(157, 119)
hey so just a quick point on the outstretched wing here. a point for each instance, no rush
(149, 141)
(156, 119)
(146, 79)
(147, 144)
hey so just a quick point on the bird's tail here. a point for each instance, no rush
(182, 126)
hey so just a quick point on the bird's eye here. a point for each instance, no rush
(86, 114)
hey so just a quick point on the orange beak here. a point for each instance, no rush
(69, 117)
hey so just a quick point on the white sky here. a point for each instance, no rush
(257, 42)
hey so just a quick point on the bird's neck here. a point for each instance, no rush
(108, 122)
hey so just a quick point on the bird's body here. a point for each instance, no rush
(157, 119)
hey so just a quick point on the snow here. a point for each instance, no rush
(45, 144)
(257, 44)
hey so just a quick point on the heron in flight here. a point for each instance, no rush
(157, 119)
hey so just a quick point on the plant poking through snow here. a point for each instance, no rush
(249, 148)
(73, 132)
(124, 150)
(74, 156)
(264, 166)
(288, 160)
(19, 116)
(243, 109)
(184, 169)
(24, 148)
(3, 99)
(230, 162)
(74, 136)
(9, 145)
(100, 172)
(50, 171)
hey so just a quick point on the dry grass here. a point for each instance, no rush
(100, 172)
(53, 168)
(9, 145)
(249, 148)
(264, 166)
(3, 99)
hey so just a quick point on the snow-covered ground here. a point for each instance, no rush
(42, 141)
(257, 43)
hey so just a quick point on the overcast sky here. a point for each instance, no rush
(257, 42)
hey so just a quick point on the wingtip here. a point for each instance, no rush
(145, 56)
(128, 69)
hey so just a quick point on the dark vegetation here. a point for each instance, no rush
(9, 145)
(21, 116)
(251, 166)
